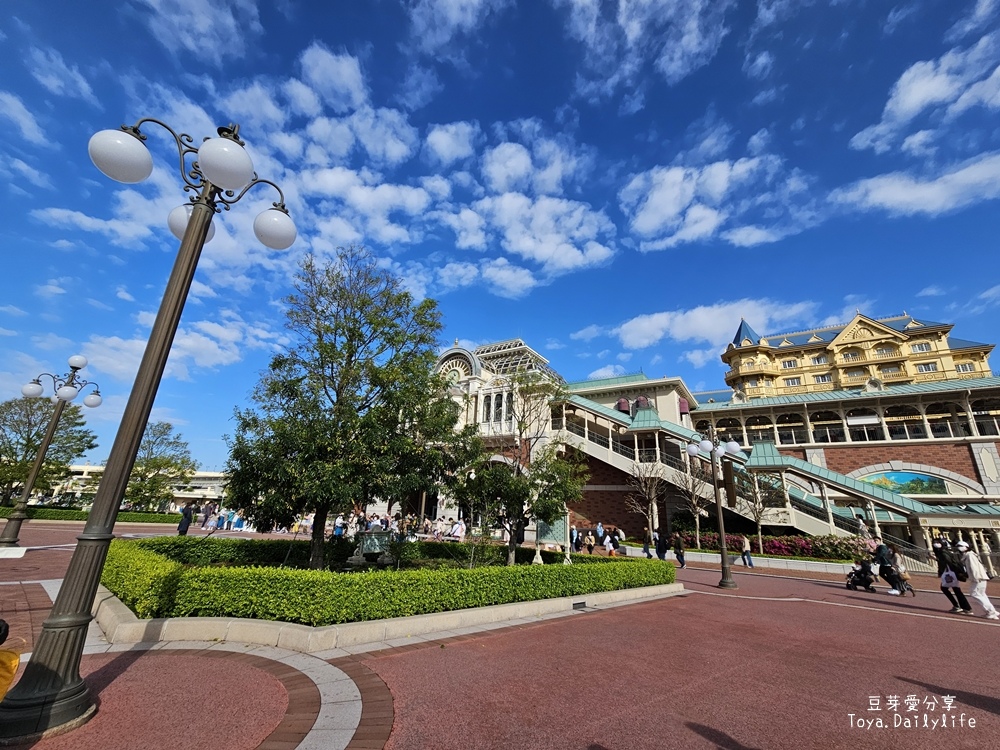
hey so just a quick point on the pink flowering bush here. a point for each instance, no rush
(822, 547)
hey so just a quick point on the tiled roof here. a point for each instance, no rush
(909, 389)
(603, 382)
(829, 333)
(745, 332)
(956, 344)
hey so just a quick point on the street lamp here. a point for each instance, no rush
(51, 696)
(718, 450)
(65, 388)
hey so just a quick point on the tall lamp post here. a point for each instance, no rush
(65, 388)
(717, 451)
(51, 696)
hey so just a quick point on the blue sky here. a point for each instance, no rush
(617, 183)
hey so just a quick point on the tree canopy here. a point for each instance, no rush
(162, 463)
(351, 411)
(23, 422)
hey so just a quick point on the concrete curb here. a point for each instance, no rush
(120, 625)
(774, 563)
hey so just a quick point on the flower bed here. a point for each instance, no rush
(815, 547)
(149, 578)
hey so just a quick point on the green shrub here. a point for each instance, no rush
(69, 514)
(144, 581)
(208, 550)
(150, 577)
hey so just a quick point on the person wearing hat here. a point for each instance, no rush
(949, 581)
(978, 577)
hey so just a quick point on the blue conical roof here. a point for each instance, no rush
(745, 332)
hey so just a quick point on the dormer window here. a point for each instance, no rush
(789, 364)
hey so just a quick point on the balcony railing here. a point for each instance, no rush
(853, 357)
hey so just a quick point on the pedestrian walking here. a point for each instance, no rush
(600, 533)
(609, 544)
(899, 568)
(883, 558)
(661, 544)
(949, 580)
(679, 550)
(647, 541)
(590, 542)
(747, 560)
(187, 516)
(978, 578)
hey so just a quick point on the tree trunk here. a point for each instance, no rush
(760, 540)
(318, 541)
(697, 530)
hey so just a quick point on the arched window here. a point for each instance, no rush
(948, 420)
(760, 430)
(498, 408)
(510, 405)
(864, 425)
(986, 411)
(702, 426)
(623, 406)
(731, 429)
(904, 423)
(792, 429)
(827, 427)
(487, 407)
(642, 403)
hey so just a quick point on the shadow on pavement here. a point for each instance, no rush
(720, 738)
(98, 680)
(975, 700)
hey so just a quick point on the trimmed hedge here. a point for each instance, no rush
(67, 514)
(155, 586)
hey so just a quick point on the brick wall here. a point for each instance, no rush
(606, 506)
(951, 456)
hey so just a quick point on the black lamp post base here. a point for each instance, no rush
(728, 583)
(27, 721)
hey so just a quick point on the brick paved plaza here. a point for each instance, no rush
(784, 662)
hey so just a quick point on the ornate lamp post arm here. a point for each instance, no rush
(68, 386)
(51, 694)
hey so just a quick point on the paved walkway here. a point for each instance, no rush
(781, 663)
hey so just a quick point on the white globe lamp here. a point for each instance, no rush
(225, 163)
(120, 156)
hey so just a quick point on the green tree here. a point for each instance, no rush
(351, 411)
(23, 422)
(695, 490)
(534, 479)
(162, 463)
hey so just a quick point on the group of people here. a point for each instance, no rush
(957, 564)
(213, 518)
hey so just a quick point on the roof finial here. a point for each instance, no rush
(456, 342)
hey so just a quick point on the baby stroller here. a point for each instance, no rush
(861, 575)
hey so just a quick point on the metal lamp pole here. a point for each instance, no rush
(66, 389)
(717, 450)
(51, 697)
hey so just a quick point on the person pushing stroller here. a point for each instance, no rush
(861, 575)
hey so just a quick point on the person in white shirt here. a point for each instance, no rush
(978, 578)
(609, 545)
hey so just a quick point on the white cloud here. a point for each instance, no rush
(419, 88)
(554, 345)
(667, 206)
(436, 23)
(677, 38)
(7, 332)
(302, 99)
(195, 27)
(13, 169)
(700, 357)
(469, 228)
(919, 143)
(897, 15)
(560, 235)
(507, 167)
(52, 288)
(336, 78)
(457, 275)
(931, 291)
(711, 324)
(586, 334)
(903, 194)
(13, 310)
(506, 279)
(929, 84)
(608, 371)
(50, 70)
(758, 66)
(385, 134)
(13, 110)
(255, 104)
(983, 13)
(122, 293)
(52, 342)
(452, 142)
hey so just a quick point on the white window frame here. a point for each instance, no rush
(792, 382)
(821, 359)
(927, 367)
(824, 378)
(789, 364)
(920, 348)
(965, 367)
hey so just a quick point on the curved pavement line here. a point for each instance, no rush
(972, 620)
(324, 706)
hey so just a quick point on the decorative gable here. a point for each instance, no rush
(862, 330)
(914, 324)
